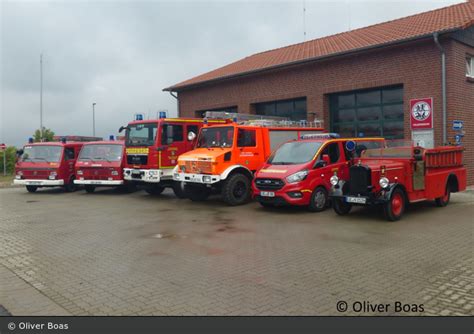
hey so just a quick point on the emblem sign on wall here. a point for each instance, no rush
(421, 113)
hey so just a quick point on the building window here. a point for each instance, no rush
(294, 109)
(470, 66)
(365, 113)
(200, 113)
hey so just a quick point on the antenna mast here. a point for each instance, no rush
(41, 97)
(304, 20)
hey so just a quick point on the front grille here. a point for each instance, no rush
(133, 159)
(360, 179)
(198, 166)
(96, 174)
(269, 184)
(36, 173)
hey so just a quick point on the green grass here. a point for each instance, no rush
(6, 180)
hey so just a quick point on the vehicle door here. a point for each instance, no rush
(250, 148)
(69, 160)
(173, 143)
(328, 161)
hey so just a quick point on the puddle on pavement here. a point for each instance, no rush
(31, 201)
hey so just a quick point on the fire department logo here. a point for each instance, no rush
(421, 111)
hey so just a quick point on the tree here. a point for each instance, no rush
(47, 135)
(11, 158)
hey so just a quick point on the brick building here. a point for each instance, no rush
(359, 82)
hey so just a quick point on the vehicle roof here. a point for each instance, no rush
(277, 128)
(341, 139)
(177, 119)
(106, 142)
(56, 143)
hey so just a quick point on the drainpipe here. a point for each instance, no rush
(443, 82)
(177, 100)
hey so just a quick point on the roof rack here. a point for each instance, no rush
(330, 135)
(262, 120)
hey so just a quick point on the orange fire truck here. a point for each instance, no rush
(152, 148)
(227, 155)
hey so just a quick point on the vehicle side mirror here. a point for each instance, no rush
(191, 136)
(323, 162)
(19, 152)
(326, 159)
(122, 128)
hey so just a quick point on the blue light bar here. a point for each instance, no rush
(320, 136)
(111, 137)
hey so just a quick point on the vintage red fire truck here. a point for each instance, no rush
(298, 172)
(48, 164)
(398, 173)
(100, 164)
(152, 148)
(227, 156)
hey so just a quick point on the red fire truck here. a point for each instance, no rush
(298, 172)
(397, 173)
(152, 148)
(48, 164)
(227, 156)
(100, 164)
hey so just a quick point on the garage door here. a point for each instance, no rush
(365, 113)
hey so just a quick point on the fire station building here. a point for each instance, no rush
(411, 78)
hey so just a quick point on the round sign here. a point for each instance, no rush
(421, 110)
(350, 145)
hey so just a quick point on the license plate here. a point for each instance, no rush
(267, 194)
(34, 183)
(96, 182)
(357, 200)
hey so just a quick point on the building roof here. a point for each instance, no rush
(447, 19)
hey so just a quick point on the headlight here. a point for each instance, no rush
(334, 180)
(297, 177)
(206, 179)
(79, 172)
(183, 168)
(52, 175)
(384, 182)
(114, 172)
(153, 172)
(20, 173)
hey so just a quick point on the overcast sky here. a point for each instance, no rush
(121, 54)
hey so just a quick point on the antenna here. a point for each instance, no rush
(304, 20)
(41, 97)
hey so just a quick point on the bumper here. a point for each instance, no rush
(39, 183)
(100, 182)
(147, 175)
(370, 198)
(196, 178)
(282, 196)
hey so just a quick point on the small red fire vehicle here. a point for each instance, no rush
(100, 163)
(398, 173)
(298, 172)
(152, 148)
(47, 164)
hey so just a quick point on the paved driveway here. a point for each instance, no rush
(135, 254)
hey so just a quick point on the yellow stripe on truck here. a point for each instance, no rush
(136, 150)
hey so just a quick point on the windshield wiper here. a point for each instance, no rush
(41, 159)
(84, 158)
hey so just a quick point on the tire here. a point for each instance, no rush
(70, 187)
(395, 207)
(236, 190)
(340, 207)
(31, 189)
(178, 189)
(154, 190)
(196, 192)
(319, 200)
(89, 189)
(444, 200)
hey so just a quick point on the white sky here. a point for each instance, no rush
(121, 54)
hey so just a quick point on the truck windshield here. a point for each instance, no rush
(294, 153)
(390, 149)
(141, 134)
(48, 153)
(109, 152)
(216, 137)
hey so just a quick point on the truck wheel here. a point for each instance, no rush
(154, 190)
(31, 189)
(178, 189)
(196, 192)
(236, 190)
(444, 200)
(340, 207)
(70, 187)
(319, 200)
(395, 207)
(89, 189)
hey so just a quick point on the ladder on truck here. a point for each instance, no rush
(262, 120)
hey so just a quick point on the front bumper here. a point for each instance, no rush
(147, 175)
(282, 196)
(370, 198)
(99, 182)
(196, 178)
(38, 183)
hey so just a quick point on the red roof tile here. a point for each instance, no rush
(454, 17)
